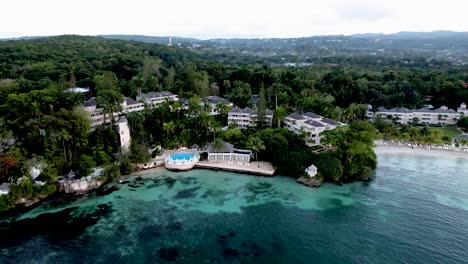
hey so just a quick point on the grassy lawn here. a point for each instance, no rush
(450, 132)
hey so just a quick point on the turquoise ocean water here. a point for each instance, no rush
(415, 211)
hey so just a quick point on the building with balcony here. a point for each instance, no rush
(97, 113)
(427, 116)
(462, 110)
(153, 99)
(247, 117)
(310, 125)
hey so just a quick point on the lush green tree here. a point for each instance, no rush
(84, 165)
(111, 103)
(354, 149)
(280, 115)
(255, 144)
(261, 108)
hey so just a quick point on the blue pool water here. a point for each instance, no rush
(182, 156)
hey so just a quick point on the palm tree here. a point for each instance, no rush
(218, 144)
(63, 135)
(255, 144)
(194, 105)
(205, 121)
(169, 128)
(216, 127)
(280, 115)
(111, 102)
(177, 106)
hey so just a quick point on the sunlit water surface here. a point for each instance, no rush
(415, 211)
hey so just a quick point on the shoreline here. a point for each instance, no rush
(392, 149)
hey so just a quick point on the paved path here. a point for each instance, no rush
(258, 168)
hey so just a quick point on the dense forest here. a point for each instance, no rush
(42, 124)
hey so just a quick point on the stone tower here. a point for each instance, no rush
(124, 133)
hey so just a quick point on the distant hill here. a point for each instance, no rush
(416, 35)
(448, 46)
(151, 39)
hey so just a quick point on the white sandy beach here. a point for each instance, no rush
(406, 150)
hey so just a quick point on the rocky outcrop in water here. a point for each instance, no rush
(309, 181)
(79, 186)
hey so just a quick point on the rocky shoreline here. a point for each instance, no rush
(309, 182)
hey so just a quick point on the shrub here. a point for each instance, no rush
(84, 165)
(111, 173)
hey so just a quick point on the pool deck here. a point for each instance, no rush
(257, 168)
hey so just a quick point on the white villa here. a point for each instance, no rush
(311, 125)
(213, 101)
(152, 99)
(247, 117)
(97, 113)
(311, 170)
(440, 116)
(462, 110)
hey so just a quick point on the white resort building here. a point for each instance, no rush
(462, 110)
(401, 115)
(225, 152)
(311, 125)
(153, 99)
(247, 117)
(97, 113)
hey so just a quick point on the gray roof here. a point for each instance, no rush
(215, 99)
(423, 110)
(331, 122)
(156, 94)
(235, 110)
(268, 112)
(314, 123)
(296, 116)
(224, 148)
(460, 137)
(246, 110)
(90, 102)
(122, 119)
(130, 101)
(311, 115)
(400, 110)
(5, 187)
(444, 111)
(312, 167)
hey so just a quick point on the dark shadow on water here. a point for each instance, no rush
(57, 227)
(187, 193)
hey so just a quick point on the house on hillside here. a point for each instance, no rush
(247, 117)
(425, 115)
(212, 102)
(153, 99)
(97, 113)
(462, 110)
(311, 125)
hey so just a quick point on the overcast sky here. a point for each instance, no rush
(231, 18)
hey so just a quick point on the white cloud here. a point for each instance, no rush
(235, 18)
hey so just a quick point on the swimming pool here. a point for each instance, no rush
(182, 156)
